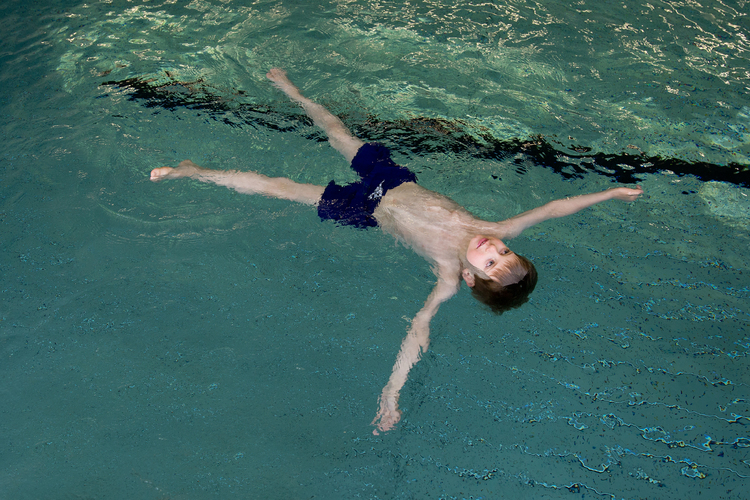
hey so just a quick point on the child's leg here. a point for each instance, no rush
(338, 135)
(244, 182)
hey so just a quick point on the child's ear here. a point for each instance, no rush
(468, 277)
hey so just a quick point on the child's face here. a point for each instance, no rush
(488, 254)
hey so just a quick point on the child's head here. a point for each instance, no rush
(503, 297)
(498, 277)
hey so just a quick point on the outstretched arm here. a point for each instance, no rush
(567, 206)
(244, 182)
(414, 344)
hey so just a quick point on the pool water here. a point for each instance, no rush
(179, 340)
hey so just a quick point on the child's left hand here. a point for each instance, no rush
(626, 194)
(389, 414)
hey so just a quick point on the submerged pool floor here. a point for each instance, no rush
(178, 340)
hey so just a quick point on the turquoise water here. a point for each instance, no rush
(183, 341)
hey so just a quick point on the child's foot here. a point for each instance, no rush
(184, 169)
(281, 82)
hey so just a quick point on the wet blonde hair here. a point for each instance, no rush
(516, 282)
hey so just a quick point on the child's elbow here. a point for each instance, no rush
(556, 209)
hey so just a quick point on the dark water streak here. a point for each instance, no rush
(422, 136)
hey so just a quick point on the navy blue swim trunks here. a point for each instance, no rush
(354, 204)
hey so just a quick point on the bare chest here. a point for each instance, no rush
(431, 224)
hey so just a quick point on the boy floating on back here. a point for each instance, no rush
(457, 245)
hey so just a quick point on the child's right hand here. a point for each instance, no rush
(626, 194)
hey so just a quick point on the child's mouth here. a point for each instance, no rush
(482, 242)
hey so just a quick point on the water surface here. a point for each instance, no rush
(177, 340)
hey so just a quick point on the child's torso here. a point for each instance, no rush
(431, 224)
